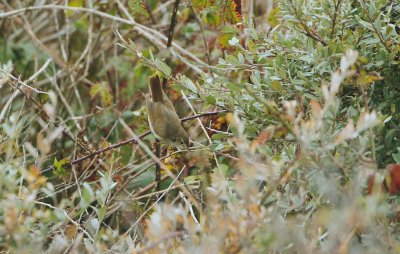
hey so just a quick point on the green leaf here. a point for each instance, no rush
(101, 89)
(225, 169)
(58, 215)
(233, 87)
(188, 83)
(59, 166)
(87, 196)
(193, 178)
(137, 7)
(232, 60)
(241, 58)
(217, 146)
(273, 17)
(219, 136)
(209, 99)
(211, 17)
(201, 3)
(163, 67)
(102, 213)
(396, 157)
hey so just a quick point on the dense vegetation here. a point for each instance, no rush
(291, 106)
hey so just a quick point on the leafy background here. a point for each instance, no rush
(300, 155)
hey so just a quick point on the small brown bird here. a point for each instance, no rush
(163, 120)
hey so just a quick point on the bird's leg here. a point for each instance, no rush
(158, 171)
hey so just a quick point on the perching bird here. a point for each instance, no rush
(163, 120)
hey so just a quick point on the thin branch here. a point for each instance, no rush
(43, 113)
(169, 43)
(156, 243)
(67, 216)
(284, 177)
(151, 207)
(146, 31)
(375, 29)
(207, 49)
(18, 80)
(308, 31)
(149, 12)
(335, 15)
(202, 127)
(133, 140)
(173, 22)
(158, 169)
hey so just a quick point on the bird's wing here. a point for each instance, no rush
(156, 119)
(174, 127)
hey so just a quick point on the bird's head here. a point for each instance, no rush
(181, 140)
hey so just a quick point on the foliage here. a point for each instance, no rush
(300, 159)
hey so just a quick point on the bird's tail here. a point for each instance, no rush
(155, 88)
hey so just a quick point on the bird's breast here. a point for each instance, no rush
(153, 131)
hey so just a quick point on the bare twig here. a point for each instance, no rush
(66, 216)
(284, 177)
(151, 207)
(310, 32)
(164, 238)
(146, 31)
(372, 22)
(173, 22)
(207, 49)
(22, 82)
(133, 140)
(169, 43)
(335, 15)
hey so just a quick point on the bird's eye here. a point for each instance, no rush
(181, 142)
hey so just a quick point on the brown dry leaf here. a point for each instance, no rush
(34, 178)
(34, 171)
(10, 219)
(316, 108)
(71, 231)
(42, 144)
(118, 178)
(394, 172)
(253, 146)
(266, 135)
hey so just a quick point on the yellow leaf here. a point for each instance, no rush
(74, 3)
(276, 85)
(273, 17)
(101, 89)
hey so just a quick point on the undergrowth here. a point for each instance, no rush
(291, 108)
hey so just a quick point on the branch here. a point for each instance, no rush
(202, 34)
(152, 34)
(308, 31)
(284, 177)
(133, 140)
(335, 15)
(153, 245)
(372, 21)
(172, 25)
(164, 83)
(171, 34)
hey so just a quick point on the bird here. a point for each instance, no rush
(163, 120)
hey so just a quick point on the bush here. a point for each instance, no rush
(293, 159)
